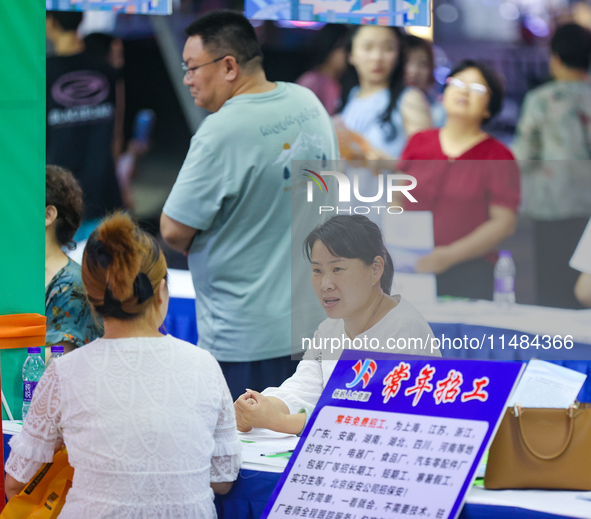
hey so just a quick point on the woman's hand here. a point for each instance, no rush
(221, 488)
(255, 410)
(437, 262)
(242, 423)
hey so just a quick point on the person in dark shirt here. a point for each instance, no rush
(81, 112)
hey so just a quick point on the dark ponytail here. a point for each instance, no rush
(63, 192)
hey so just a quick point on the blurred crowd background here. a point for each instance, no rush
(512, 36)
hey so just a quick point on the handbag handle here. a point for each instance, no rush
(571, 429)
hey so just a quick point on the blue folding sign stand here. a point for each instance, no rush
(394, 436)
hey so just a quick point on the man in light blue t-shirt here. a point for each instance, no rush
(230, 207)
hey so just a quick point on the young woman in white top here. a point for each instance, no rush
(377, 104)
(420, 65)
(352, 274)
(147, 419)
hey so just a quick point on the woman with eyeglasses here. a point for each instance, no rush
(468, 180)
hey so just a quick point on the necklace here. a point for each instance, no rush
(371, 316)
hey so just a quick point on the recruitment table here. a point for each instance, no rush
(452, 320)
(470, 322)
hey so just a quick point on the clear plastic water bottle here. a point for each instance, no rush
(56, 352)
(33, 369)
(504, 279)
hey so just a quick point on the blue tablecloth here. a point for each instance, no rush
(252, 491)
(181, 320)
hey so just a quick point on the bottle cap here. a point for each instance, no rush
(34, 350)
(57, 349)
(505, 254)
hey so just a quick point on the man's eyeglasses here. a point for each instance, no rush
(189, 71)
(477, 88)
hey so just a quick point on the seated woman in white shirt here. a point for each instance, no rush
(352, 274)
(147, 419)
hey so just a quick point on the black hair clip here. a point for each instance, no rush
(110, 301)
(98, 252)
(142, 288)
(111, 307)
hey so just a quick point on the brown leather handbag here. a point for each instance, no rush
(542, 448)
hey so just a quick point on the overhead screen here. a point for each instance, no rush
(117, 6)
(365, 12)
(370, 12)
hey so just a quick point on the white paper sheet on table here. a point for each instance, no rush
(548, 385)
(262, 441)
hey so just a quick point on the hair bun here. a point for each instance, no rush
(118, 234)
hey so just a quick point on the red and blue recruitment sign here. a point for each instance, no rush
(394, 436)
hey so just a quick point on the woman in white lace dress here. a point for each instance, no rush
(147, 419)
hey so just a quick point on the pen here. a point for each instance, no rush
(283, 453)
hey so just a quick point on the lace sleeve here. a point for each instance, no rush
(41, 434)
(227, 454)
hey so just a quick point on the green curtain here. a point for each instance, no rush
(22, 174)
